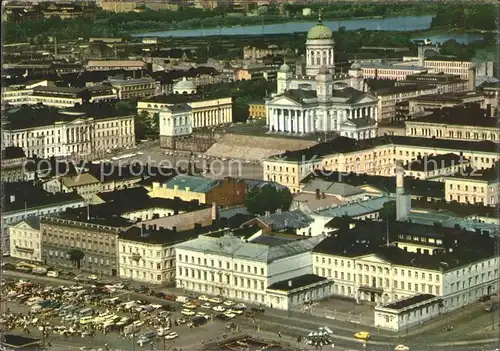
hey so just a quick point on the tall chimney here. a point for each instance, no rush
(403, 199)
(471, 83)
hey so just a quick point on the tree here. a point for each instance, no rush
(76, 256)
(268, 198)
(388, 212)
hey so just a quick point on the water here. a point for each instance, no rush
(403, 23)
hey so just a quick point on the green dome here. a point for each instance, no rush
(319, 31)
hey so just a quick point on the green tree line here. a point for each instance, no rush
(479, 16)
(122, 24)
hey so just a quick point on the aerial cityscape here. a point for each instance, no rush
(250, 175)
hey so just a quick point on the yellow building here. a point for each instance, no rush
(457, 123)
(432, 102)
(474, 186)
(375, 156)
(257, 109)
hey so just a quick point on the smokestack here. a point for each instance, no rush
(403, 199)
(471, 84)
(400, 173)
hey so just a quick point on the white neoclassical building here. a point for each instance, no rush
(25, 240)
(176, 120)
(251, 270)
(322, 101)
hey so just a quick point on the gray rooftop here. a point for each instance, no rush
(287, 219)
(330, 188)
(231, 246)
(356, 209)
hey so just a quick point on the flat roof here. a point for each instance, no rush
(296, 282)
(461, 116)
(22, 117)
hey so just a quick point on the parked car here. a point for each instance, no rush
(362, 335)
(218, 308)
(171, 335)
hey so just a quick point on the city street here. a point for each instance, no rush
(469, 324)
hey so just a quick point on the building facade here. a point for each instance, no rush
(147, 262)
(480, 186)
(230, 267)
(431, 268)
(374, 157)
(96, 243)
(134, 88)
(223, 192)
(25, 240)
(69, 133)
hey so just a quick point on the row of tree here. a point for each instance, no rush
(468, 16)
(121, 24)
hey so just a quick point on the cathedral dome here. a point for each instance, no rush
(184, 86)
(319, 31)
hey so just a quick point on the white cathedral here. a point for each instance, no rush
(319, 101)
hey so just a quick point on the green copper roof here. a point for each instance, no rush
(319, 31)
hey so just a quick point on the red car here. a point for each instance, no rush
(170, 297)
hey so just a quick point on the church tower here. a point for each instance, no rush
(356, 77)
(284, 76)
(319, 49)
(324, 84)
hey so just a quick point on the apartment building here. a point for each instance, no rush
(474, 186)
(134, 88)
(374, 156)
(389, 98)
(224, 192)
(147, 255)
(459, 68)
(108, 65)
(388, 71)
(444, 83)
(13, 164)
(78, 132)
(25, 240)
(425, 104)
(246, 269)
(88, 242)
(436, 167)
(385, 264)
(458, 123)
(491, 98)
(257, 110)
(85, 185)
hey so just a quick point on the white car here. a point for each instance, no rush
(228, 303)
(219, 308)
(206, 305)
(237, 312)
(240, 306)
(229, 315)
(401, 348)
(215, 300)
(189, 306)
(187, 312)
(171, 336)
(119, 286)
(92, 277)
(201, 314)
(203, 298)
